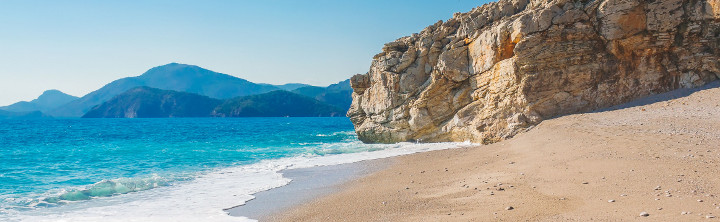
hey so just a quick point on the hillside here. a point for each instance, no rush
(173, 76)
(145, 102)
(276, 104)
(49, 100)
(339, 94)
(288, 87)
(22, 115)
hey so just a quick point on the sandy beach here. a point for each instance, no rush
(655, 159)
(307, 184)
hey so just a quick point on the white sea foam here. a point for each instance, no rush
(205, 197)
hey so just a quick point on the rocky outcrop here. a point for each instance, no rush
(488, 74)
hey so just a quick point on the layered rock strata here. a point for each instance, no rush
(487, 74)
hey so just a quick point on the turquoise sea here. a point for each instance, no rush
(163, 169)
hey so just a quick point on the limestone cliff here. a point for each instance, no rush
(487, 74)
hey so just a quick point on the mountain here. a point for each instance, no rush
(500, 69)
(173, 76)
(22, 115)
(276, 104)
(49, 100)
(339, 94)
(145, 102)
(289, 86)
(22, 106)
(341, 86)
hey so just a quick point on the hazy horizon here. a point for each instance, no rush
(79, 46)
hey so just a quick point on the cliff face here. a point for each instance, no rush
(490, 73)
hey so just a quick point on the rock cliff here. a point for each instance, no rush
(487, 74)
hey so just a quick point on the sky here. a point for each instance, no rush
(79, 46)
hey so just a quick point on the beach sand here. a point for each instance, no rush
(307, 184)
(657, 155)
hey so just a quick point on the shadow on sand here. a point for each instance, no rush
(675, 94)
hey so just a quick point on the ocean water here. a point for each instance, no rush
(164, 169)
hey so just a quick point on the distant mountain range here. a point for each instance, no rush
(22, 115)
(287, 87)
(145, 102)
(173, 76)
(277, 103)
(339, 94)
(49, 100)
(180, 78)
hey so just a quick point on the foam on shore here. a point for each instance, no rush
(205, 197)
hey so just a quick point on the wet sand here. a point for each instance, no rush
(307, 184)
(659, 156)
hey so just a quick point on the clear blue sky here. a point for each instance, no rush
(79, 46)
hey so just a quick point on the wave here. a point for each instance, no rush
(107, 188)
(350, 134)
(203, 197)
(349, 147)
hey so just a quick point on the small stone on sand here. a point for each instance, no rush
(611, 201)
(509, 208)
(644, 214)
(709, 216)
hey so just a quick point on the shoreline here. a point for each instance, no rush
(211, 196)
(337, 170)
(656, 158)
(307, 185)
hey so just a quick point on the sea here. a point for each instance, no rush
(175, 169)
